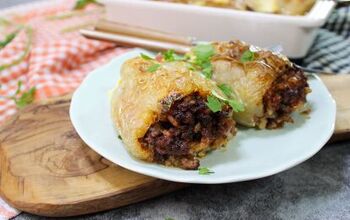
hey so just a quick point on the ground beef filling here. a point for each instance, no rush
(188, 123)
(285, 95)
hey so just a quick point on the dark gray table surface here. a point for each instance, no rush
(316, 189)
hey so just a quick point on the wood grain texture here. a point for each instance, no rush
(46, 169)
(339, 86)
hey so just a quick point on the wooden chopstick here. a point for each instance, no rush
(135, 41)
(127, 35)
(141, 32)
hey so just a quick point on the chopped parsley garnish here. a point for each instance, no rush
(25, 98)
(202, 62)
(231, 99)
(247, 56)
(153, 68)
(191, 67)
(236, 105)
(22, 98)
(207, 70)
(203, 54)
(170, 56)
(204, 171)
(81, 4)
(120, 137)
(213, 103)
(145, 57)
(225, 89)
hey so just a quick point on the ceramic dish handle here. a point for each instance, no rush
(321, 11)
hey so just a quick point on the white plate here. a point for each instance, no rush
(250, 155)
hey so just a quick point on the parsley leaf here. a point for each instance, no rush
(26, 98)
(7, 39)
(191, 67)
(81, 4)
(178, 57)
(22, 98)
(247, 56)
(120, 137)
(236, 105)
(153, 68)
(213, 103)
(204, 171)
(226, 89)
(145, 57)
(203, 52)
(230, 99)
(169, 55)
(207, 70)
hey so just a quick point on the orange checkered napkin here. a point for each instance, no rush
(47, 53)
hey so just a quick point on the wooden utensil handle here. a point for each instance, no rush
(141, 32)
(135, 41)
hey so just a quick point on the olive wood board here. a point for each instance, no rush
(46, 169)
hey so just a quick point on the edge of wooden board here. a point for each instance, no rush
(107, 202)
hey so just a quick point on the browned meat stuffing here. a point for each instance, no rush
(186, 130)
(286, 93)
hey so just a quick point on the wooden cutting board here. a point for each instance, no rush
(339, 86)
(46, 169)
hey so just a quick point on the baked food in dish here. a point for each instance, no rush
(236, 4)
(287, 7)
(160, 110)
(269, 85)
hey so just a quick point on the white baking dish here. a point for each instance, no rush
(294, 33)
